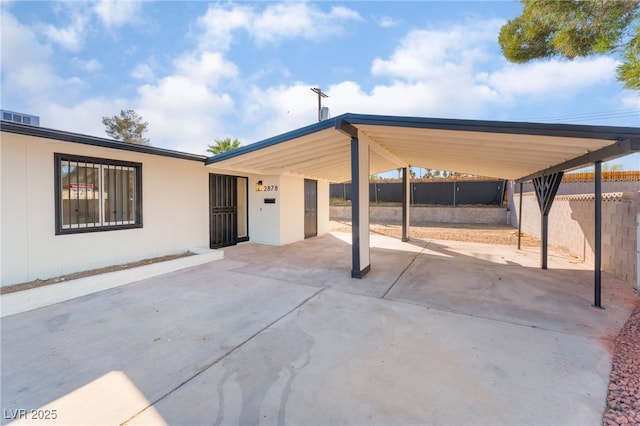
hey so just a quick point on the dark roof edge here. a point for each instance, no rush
(303, 131)
(514, 127)
(43, 132)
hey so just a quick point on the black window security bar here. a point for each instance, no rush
(94, 194)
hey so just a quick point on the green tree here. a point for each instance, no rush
(570, 29)
(223, 145)
(128, 127)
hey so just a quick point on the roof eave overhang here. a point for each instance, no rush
(613, 141)
(616, 150)
(303, 131)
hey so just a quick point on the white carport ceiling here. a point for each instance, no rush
(508, 150)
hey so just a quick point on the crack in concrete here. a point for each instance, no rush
(220, 358)
(405, 269)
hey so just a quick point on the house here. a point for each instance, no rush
(72, 202)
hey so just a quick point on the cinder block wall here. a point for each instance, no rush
(571, 227)
(425, 215)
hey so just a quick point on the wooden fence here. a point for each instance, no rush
(630, 176)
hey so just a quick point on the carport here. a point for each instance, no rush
(355, 146)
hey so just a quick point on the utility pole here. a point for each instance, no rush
(321, 95)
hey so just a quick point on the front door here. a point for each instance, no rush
(310, 208)
(227, 210)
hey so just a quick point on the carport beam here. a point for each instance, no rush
(406, 198)
(597, 273)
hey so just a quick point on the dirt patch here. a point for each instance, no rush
(76, 275)
(475, 233)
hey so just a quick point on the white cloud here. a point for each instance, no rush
(387, 22)
(551, 77)
(434, 54)
(292, 20)
(114, 13)
(275, 23)
(273, 110)
(143, 72)
(83, 117)
(90, 65)
(207, 68)
(25, 62)
(459, 72)
(72, 36)
(219, 23)
(182, 113)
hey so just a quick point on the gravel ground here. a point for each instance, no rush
(623, 400)
(476, 233)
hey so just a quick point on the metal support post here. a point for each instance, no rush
(597, 263)
(520, 217)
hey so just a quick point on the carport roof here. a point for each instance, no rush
(509, 150)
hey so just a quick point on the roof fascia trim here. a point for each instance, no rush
(275, 140)
(618, 149)
(514, 127)
(43, 132)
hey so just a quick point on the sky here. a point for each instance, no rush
(199, 71)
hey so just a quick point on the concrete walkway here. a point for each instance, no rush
(437, 333)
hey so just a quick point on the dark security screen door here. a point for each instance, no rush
(223, 206)
(310, 208)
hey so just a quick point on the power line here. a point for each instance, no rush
(608, 115)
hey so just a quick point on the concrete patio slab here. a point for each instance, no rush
(326, 262)
(437, 333)
(157, 333)
(495, 283)
(348, 359)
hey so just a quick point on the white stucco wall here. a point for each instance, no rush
(264, 219)
(174, 202)
(323, 207)
(291, 209)
(282, 222)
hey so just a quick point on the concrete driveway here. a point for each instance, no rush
(437, 333)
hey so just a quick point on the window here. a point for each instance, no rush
(6, 116)
(94, 194)
(26, 120)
